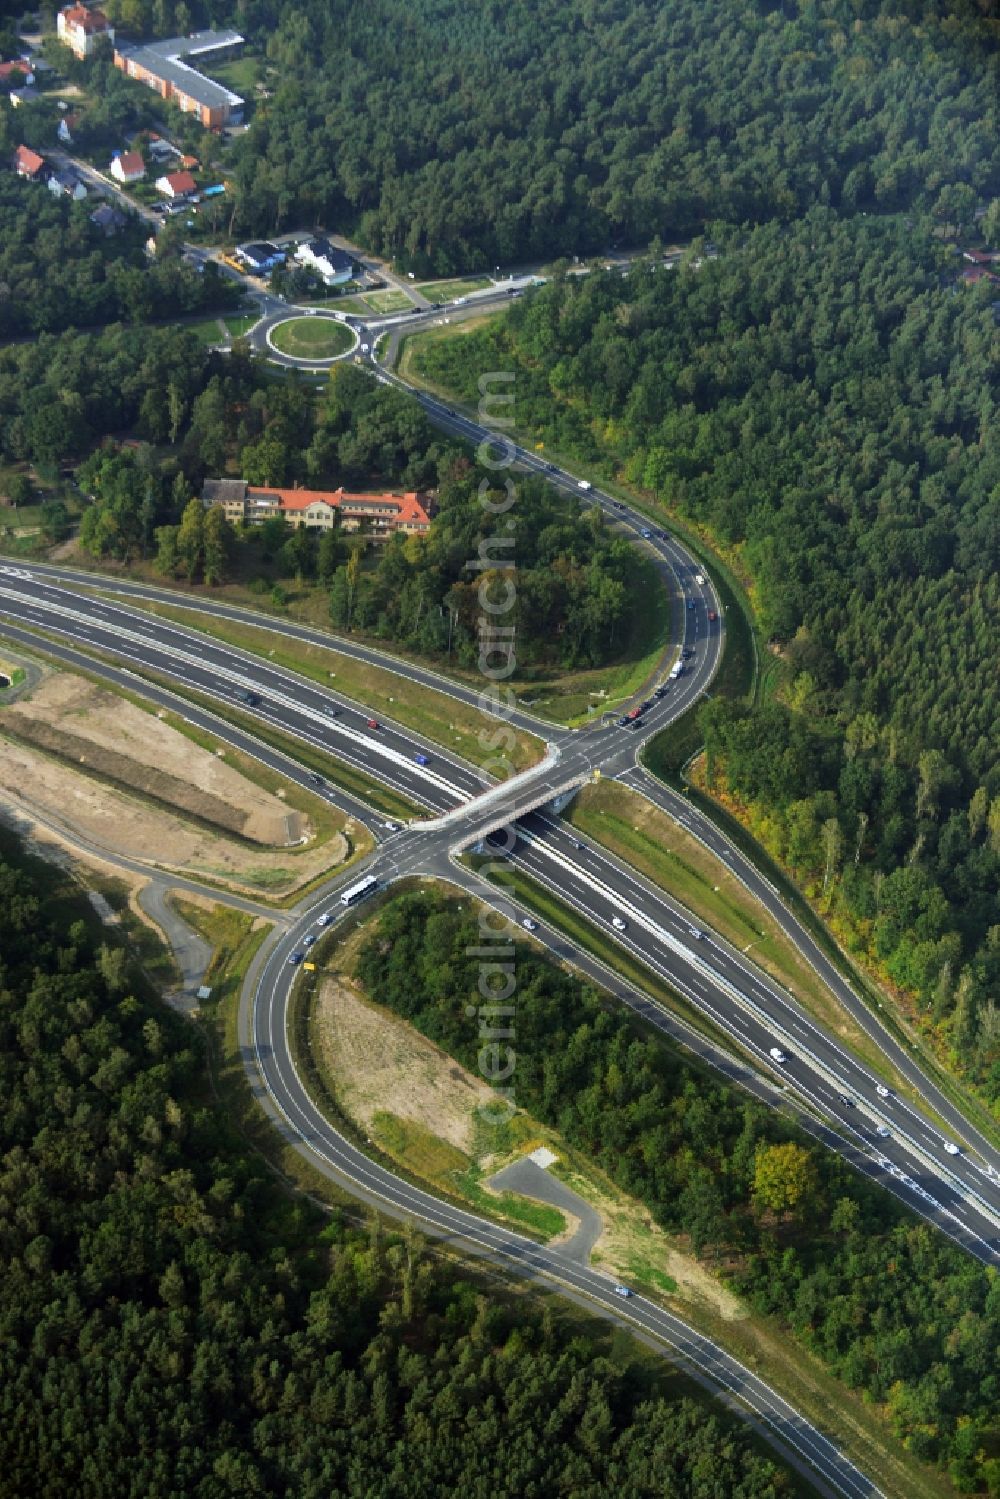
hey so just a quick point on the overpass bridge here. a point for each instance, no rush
(519, 802)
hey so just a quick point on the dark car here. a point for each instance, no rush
(250, 698)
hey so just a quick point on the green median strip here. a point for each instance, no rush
(437, 717)
(562, 918)
(649, 841)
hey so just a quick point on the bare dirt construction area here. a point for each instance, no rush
(379, 1062)
(104, 771)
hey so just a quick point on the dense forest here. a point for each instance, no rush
(171, 1323)
(497, 134)
(58, 270)
(887, 1303)
(823, 400)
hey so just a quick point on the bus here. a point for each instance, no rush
(360, 891)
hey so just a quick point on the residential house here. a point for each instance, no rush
(331, 265)
(260, 257)
(176, 184)
(16, 74)
(66, 126)
(82, 28)
(378, 516)
(67, 185)
(128, 166)
(28, 163)
(164, 67)
(26, 95)
(108, 218)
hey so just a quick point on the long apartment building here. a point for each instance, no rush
(164, 67)
(378, 516)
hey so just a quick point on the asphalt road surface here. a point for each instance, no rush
(839, 1094)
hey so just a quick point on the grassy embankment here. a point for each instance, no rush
(435, 716)
(327, 821)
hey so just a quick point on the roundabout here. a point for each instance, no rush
(310, 339)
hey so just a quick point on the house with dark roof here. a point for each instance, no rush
(260, 256)
(108, 218)
(67, 185)
(332, 266)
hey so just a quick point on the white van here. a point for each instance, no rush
(584, 484)
(777, 1055)
(619, 924)
(699, 578)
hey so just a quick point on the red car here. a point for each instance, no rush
(712, 616)
(373, 723)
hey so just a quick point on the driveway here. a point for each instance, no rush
(529, 1180)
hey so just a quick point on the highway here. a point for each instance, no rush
(955, 1192)
(960, 1194)
(736, 996)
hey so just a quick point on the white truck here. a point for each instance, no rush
(699, 578)
(677, 670)
(584, 484)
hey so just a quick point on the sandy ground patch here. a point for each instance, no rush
(86, 811)
(380, 1063)
(76, 719)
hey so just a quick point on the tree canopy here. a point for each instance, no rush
(172, 1323)
(822, 398)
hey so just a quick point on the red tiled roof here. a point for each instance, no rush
(6, 68)
(408, 508)
(131, 163)
(28, 161)
(89, 20)
(180, 182)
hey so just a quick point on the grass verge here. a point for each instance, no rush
(326, 820)
(441, 719)
(311, 338)
(592, 939)
(649, 841)
(333, 770)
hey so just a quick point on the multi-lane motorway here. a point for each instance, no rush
(960, 1193)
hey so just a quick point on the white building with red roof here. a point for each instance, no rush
(379, 516)
(81, 28)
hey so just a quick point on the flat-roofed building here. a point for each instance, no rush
(163, 66)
